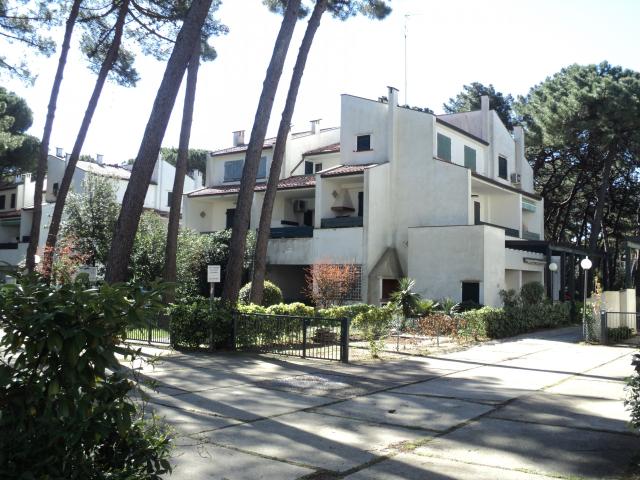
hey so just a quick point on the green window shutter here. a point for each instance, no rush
(233, 170)
(470, 158)
(444, 147)
(262, 168)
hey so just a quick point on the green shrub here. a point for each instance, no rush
(632, 400)
(296, 309)
(532, 293)
(619, 334)
(426, 307)
(251, 308)
(345, 311)
(374, 323)
(510, 298)
(465, 306)
(65, 400)
(199, 322)
(272, 294)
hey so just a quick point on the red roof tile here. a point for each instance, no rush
(333, 148)
(297, 181)
(347, 170)
(10, 214)
(268, 143)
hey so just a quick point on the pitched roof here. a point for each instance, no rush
(342, 170)
(332, 148)
(290, 183)
(268, 143)
(107, 170)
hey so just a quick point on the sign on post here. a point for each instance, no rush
(213, 273)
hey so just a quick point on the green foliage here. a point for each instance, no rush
(272, 294)
(426, 307)
(345, 311)
(197, 159)
(464, 306)
(632, 402)
(90, 218)
(469, 100)
(295, 309)
(65, 400)
(618, 334)
(18, 151)
(198, 322)
(510, 298)
(446, 305)
(532, 293)
(147, 257)
(374, 324)
(404, 298)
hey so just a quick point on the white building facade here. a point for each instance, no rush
(398, 192)
(16, 210)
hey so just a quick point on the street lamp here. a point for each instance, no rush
(586, 264)
(553, 268)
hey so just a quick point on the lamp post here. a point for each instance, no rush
(553, 268)
(586, 264)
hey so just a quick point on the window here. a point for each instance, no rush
(13, 200)
(502, 167)
(169, 198)
(55, 188)
(317, 167)
(308, 168)
(471, 292)
(231, 212)
(262, 168)
(470, 158)
(3, 199)
(444, 147)
(360, 204)
(364, 143)
(232, 170)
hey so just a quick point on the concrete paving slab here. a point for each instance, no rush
(589, 387)
(326, 385)
(175, 382)
(211, 462)
(568, 411)
(187, 422)
(407, 410)
(322, 441)
(544, 449)
(407, 466)
(619, 369)
(242, 402)
(490, 384)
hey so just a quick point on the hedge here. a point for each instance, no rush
(199, 322)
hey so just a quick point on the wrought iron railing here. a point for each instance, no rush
(341, 222)
(155, 332)
(306, 337)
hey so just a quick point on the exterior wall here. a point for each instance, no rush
(360, 116)
(290, 251)
(328, 160)
(473, 253)
(502, 144)
(338, 245)
(458, 142)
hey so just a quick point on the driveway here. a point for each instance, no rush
(533, 407)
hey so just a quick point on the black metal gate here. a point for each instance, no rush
(617, 326)
(155, 332)
(306, 337)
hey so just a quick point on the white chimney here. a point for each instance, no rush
(315, 126)
(484, 109)
(99, 158)
(238, 138)
(518, 137)
(59, 152)
(393, 96)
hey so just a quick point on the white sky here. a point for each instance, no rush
(512, 44)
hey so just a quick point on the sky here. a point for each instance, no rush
(513, 45)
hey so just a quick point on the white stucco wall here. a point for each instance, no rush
(338, 245)
(458, 142)
(290, 251)
(361, 116)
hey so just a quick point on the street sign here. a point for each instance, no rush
(213, 273)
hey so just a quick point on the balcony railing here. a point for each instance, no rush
(530, 235)
(292, 232)
(510, 232)
(341, 222)
(9, 246)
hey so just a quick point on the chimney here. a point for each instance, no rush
(392, 98)
(59, 152)
(238, 138)
(99, 159)
(315, 126)
(484, 109)
(518, 137)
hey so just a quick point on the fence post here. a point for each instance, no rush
(344, 340)
(304, 337)
(149, 331)
(604, 329)
(234, 334)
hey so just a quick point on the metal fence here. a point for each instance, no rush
(156, 332)
(612, 327)
(306, 337)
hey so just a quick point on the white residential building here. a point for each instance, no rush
(446, 200)
(16, 209)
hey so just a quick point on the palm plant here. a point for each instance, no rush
(404, 298)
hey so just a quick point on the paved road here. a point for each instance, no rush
(534, 407)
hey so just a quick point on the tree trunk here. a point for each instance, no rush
(133, 202)
(264, 229)
(63, 190)
(233, 275)
(602, 198)
(171, 250)
(46, 136)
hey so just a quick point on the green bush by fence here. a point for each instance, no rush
(272, 294)
(197, 322)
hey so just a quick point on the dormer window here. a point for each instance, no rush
(363, 143)
(502, 167)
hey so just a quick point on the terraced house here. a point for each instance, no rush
(447, 200)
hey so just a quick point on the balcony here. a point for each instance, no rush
(9, 246)
(530, 235)
(510, 232)
(341, 222)
(292, 232)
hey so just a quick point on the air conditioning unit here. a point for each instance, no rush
(515, 178)
(299, 206)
